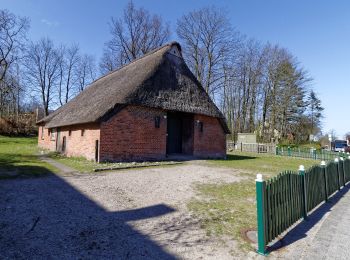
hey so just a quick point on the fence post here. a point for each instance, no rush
(289, 151)
(304, 189)
(315, 154)
(241, 147)
(276, 150)
(261, 214)
(323, 166)
(336, 160)
(348, 169)
(343, 170)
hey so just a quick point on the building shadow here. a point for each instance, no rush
(19, 165)
(300, 230)
(48, 218)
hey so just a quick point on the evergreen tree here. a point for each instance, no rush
(315, 111)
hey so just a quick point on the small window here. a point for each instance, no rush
(69, 132)
(157, 121)
(42, 133)
(82, 132)
(53, 134)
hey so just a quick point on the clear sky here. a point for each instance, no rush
(317, 32)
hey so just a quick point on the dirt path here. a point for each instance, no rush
(138, 213)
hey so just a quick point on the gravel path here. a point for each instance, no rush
(129, 214)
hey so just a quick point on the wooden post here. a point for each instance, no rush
(261, 214)
(323, 166)
(336, 160)
(304, 190)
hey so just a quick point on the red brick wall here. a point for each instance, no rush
(131, 135)
(212, 141)
(76, 145)
(44, 139)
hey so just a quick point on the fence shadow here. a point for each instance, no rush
(49, 218)
(300, 230)
(235, 157)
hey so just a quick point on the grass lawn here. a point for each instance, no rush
(18, 157)
(82, 165)
(230, 209)
(268, 165)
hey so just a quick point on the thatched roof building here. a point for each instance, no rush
(159, 80)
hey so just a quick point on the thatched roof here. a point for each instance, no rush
(159, 79)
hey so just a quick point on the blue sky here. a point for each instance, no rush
(317, 32)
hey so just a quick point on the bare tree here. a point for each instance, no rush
(208, 40)
(110, 61)
(42, 64)
(134, 34)
(13, 31)
(69, 61)
(86, 71)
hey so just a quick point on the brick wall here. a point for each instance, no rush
(76, 144)
(131, 135)
(212, 141)
(44, 139)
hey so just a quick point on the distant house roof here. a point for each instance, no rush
(159, 79)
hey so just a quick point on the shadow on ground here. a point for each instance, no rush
(235, 157)
(300, 230)
(10, 168)
(48, 218)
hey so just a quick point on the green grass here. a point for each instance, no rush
(78, 163)
(18, 157)
(82, 165)
(229, 209)
(268, 165)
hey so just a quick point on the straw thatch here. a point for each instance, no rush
(160, 79)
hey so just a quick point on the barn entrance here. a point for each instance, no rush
(179, 133)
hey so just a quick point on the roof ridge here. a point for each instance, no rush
(137, 59)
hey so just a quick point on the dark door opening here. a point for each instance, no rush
(64, 144)
(174, 127)
(180, 133)
(96, 151)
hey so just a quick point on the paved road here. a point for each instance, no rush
(325, 235)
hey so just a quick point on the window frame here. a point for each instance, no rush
(53, 134)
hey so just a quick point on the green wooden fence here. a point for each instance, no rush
(288, 197)
(309, 153)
